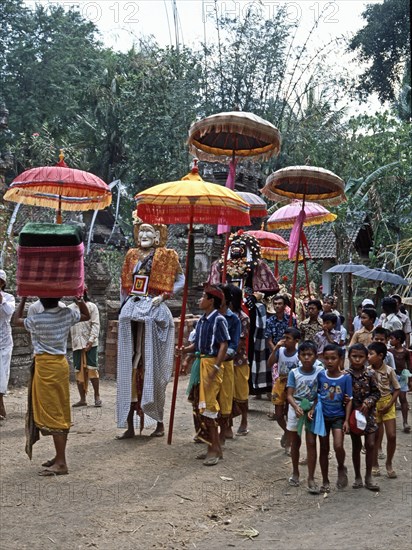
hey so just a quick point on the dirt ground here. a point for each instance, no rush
(144, 494)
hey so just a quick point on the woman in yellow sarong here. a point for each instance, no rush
(49, 402)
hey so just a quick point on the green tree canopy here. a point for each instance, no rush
(383, 43)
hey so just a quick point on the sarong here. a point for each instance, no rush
(241, 393)
(50, 394)
(5, 360)
(209, 389)
(227, 389)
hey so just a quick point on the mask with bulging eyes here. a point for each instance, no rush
(238, 250)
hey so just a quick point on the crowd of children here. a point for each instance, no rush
(325, 397)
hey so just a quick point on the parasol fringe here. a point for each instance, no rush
(248, 127)
(169, 213)
(97, 202)
(285, 224)
(209, 154)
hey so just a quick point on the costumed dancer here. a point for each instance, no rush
(246, 269)
(48, 409)
(210, 346)
(151, 273)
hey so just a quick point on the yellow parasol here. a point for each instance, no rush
(190, 200)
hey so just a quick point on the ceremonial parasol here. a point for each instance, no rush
(60, 187)
(258, 207)
(190, 200)
(383, 275)
(233, 135)
(285, 217)
(270, 241)
(307, 183)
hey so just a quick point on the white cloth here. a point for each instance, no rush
(159, 338)
(5, 360)
(391, 322)
(86, 332)
(36, 307)
(357, 324)
(49, 330)
(7, 307)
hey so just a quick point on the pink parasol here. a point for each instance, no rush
(285, 217)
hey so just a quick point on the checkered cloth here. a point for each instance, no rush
(159, 338)
(260, 375)
(50, 271)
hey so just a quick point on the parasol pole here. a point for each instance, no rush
(181, 328)
(230, 184)
(295, 271)
(59, 219)
(276, 270)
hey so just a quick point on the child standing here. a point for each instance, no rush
(285, 355)
(364, 335)
(385, 408)
(365, 396)
(302, 384)
(380, 334)
(329, 335)
(402, 361)
(332, 387)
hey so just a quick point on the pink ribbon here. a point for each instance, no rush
(230, 184)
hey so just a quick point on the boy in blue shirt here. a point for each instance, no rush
(303, 384)
(332, 387)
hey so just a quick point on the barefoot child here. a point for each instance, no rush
(332, 387)
(402, 362)
(365, 396)
(285, 355)
(302, 384)
(385, 408)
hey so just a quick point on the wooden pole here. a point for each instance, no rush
(181, 332)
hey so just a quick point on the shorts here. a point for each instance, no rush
(91, 359)
(404, 386)
(279, 392)
(333, 423)
(390, 415)
(292, 421)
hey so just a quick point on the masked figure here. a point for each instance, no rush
(151, 273)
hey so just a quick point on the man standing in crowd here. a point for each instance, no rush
(7, 306)
(85, 340)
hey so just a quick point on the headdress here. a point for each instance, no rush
(137, 222)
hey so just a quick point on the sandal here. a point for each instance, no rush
(372, 486)
(381, 456)
(243, 431)
(313, 489)
(376, 472)
(157, 434)
(49, 473)
(325, 488)
(79, 404)
(271, 416)
(98, 403)
(343, 480)
(211, 461)
(357, 484)
(293, 482)
(48, 463)
(391, 474)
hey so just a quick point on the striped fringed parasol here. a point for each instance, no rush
(60, 187)
(285, 217)
(305, 182)
(258, 207)
(233, 134)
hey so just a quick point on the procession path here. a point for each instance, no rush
(144, 494)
